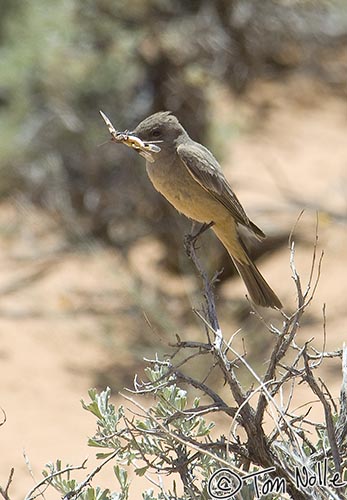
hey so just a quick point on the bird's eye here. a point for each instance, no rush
(156, 132)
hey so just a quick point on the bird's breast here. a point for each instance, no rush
(175, 183)
(171, 180)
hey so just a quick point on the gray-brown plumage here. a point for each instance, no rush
(191, 179)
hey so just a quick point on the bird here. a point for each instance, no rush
(188, 175)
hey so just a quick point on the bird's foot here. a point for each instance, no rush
(191, 238)
(189, 244)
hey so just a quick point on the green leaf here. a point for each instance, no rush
(141, 471)
(121, 475)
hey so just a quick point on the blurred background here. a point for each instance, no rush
(93, 270)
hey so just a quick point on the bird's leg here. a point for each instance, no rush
(190, 239)
(204, 227)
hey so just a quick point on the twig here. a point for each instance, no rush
(31, 472)
(5, 417)
(321, 357)
(341, 426)
(29, 496)
(81, 486)
(191, 344)
(206, 390)
(291, 234)
(5, 492)
(327, 412)
(313, 256)
(200, 410)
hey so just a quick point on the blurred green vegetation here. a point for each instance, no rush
(60, 62)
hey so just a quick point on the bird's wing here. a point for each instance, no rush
(205, 169)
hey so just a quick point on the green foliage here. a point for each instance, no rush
(152, 444)
(65, 485)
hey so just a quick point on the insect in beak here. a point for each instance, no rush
(145, 149)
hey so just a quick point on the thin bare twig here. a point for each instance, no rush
(4, 492)
(31, 472)
(341, 426)
(5, 417)
(327, 412)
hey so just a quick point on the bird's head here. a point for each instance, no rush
(162, 129)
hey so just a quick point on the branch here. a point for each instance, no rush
(190, 242)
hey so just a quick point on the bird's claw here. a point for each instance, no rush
(190, 243)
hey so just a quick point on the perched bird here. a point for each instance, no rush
(190, 178)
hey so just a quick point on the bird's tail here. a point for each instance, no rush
(259, 291)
